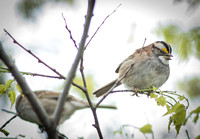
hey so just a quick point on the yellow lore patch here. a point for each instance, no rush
(165, 50)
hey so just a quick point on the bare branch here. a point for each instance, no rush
(89, 14)
(40, 61)
(93, 108)
(30, 52)
(82, 73)
(41, 75)
(8, 111)
(143, 46)
(101, 25)
(144, 41)
(73, 69)
(7, 122)
(6, 70)
(70, 33)
(25, 89)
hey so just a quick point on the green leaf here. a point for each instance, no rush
(9, 82)
(126, 134)
(169, 124)
(152, 95)
(197, 110)
(12, 97)
(184, 43)
(196, 118)
(6, 133)
(146, 129)
(177, 127)
(190, 85)
(198, 137)
(154, 88)
(167, 106)
(20, 135)
(179, 117)
(173, 109)
(120, 131)
(27, 8)
(181, 98)
(90, 85)
(19, 88)
(161, 101)
(3, 89)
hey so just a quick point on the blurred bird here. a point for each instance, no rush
(49, 100)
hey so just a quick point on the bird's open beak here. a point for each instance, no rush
(168, 56)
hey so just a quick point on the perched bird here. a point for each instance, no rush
(146, 67)
(49, 100)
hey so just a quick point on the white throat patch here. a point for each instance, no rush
(163, 60)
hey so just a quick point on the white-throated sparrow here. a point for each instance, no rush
(145, 68)
(49, 100)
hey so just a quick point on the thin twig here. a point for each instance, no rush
(6, 70)
(143, 46)
(135, 127)
(41, 75)
(101, 25)
(40, 61)
(93, 108)
(172, 93)
(107, 93)
(70, 77)
(96, 125)
(8, 111)
(30, 52)
(7, 122)
(116, 91)
(85, 86)
(188, 136)
(38, 108)
(81, 63)
(170, 97)
(82, 73)
(70, 33)
(144, 41)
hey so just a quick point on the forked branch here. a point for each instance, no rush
(25, 88)
(60, 76)
(73, 69)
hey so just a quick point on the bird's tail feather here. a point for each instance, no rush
(105, 88)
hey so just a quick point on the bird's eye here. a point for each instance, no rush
(160, 51)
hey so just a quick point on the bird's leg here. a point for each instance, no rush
(136, 91)
(41, 128)
(149, 92)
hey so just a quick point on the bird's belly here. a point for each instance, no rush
(146, 79)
